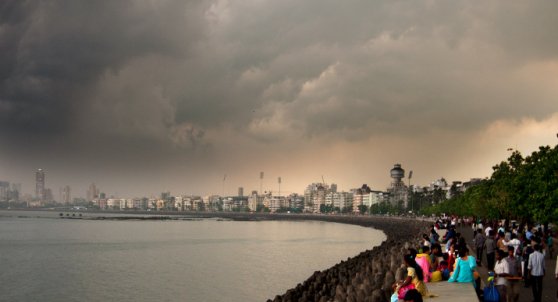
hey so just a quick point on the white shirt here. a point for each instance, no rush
(515, 243)
(426, 243)
(487, 230)
(536, 263)
(501, 267)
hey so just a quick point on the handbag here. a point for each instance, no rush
(490, 293)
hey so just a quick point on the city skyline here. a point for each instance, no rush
(144, 97)
(402, 179)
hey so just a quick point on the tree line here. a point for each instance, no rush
(520, 188)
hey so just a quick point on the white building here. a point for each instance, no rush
(274, 203)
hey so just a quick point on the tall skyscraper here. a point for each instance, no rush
(240, 191)
(92, 192)
(65, 195)
(40, 185)
(4, 190)
(48, 196)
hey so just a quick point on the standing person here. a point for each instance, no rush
(502, 242)
(450, 234)
(426, 241)
(479, 244)
(491, 248)
(549, 245)
(528, 234)
(501, 271)
(514, 280)
(434, 237)
(527, 251)
(536, 271)
(479, 225)
(515, 244)
(487, 230)
(556, 276)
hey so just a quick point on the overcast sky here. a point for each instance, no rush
(145, 96)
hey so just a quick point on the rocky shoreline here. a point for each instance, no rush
(367, 276)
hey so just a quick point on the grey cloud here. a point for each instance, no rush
(61, 48)
(129, 82)
(61, 56)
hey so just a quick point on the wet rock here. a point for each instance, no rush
(400, 274)
(377, 296)
(389, 279)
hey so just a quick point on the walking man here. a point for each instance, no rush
(556, 276)
(479, 244)
(514, 279)
(491, 248)
(536, 271)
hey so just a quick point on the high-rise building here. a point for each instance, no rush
(14, 192)
(4, 190)
(240, 191)
(16, 187)
(40, 185)
(333, 188)
(254, 200)
(92, 192)
(65, 195)
(48, 197)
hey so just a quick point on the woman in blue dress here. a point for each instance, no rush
(464, 267)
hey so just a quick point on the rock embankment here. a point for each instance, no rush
(367, 276)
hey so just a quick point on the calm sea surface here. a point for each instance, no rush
(44, 258)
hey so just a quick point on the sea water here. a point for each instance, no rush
(45, 258)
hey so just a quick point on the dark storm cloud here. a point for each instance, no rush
(54, 52)
(388, 59)
(155, 83)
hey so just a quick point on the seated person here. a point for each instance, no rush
(412, 296)
(444, 269)
(464, 268)
(414, 276)
(423, 260)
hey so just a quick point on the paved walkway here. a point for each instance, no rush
(454, 292)
(526, 295)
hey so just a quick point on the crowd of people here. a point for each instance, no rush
(514, 257)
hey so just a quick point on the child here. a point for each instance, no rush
(443, 267)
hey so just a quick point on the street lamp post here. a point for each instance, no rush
(411, 192)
